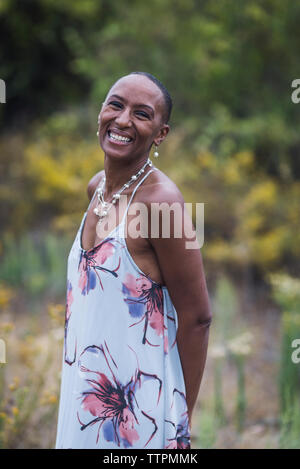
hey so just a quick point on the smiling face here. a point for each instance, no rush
(132, 118)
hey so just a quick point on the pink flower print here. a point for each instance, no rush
(181, 430)
(114, 406)
(143, 284)
(166, 344)
(101, 255)
(69, 340)
(126, 428)
(91, 262)
(145, 302)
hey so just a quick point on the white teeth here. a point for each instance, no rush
(118, 137)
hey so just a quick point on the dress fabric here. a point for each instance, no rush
(122, 384)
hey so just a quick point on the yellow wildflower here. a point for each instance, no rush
(56, 312)
(6, 294)
(15, 384)
(6, 327)
(52, 399)
(15, 411)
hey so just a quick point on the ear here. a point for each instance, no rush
(164, 130)
(100, 112)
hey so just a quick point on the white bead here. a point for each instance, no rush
(126, 186)
(134, 178)
(104, 213)
(156, 154)
(117, 196)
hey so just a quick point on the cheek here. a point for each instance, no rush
(145, 131)
(105, 117)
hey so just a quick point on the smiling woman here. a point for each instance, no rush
(137, 308)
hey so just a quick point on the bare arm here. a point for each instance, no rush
(184, 276)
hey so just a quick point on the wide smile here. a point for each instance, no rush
(118, 139)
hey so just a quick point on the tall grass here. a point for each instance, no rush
(208, 431)
(35, 264)
(29, 384)
(231, 344)
(286, 292)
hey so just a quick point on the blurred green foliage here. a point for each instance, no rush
(234, 142)
(234, 145)
(229, 66)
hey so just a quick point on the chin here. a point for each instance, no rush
(117, 155)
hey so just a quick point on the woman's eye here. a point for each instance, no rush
(143, 114)
(115, 103)
(119, 105)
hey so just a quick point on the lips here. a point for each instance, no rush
(120, 133)
(119, 138)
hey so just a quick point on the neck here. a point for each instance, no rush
(118, 172)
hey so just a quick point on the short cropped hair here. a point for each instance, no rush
(165, 92)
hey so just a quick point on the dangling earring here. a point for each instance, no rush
(97, 133)
(156, 154)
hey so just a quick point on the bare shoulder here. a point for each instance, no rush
(161, 196)
(93, 183)
(159, 188)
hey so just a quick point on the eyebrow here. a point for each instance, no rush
(122, 99)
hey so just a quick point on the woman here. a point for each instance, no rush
(137, 311)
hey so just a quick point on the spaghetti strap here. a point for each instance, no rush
(121, 227)
(136, 188)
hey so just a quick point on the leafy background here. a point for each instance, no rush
(234, 145)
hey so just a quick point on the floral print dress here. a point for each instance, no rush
(122, 384)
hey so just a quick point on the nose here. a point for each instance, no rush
(123, 119)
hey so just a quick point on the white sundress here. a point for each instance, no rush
(122, 384)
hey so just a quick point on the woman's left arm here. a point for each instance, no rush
(183, 273)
